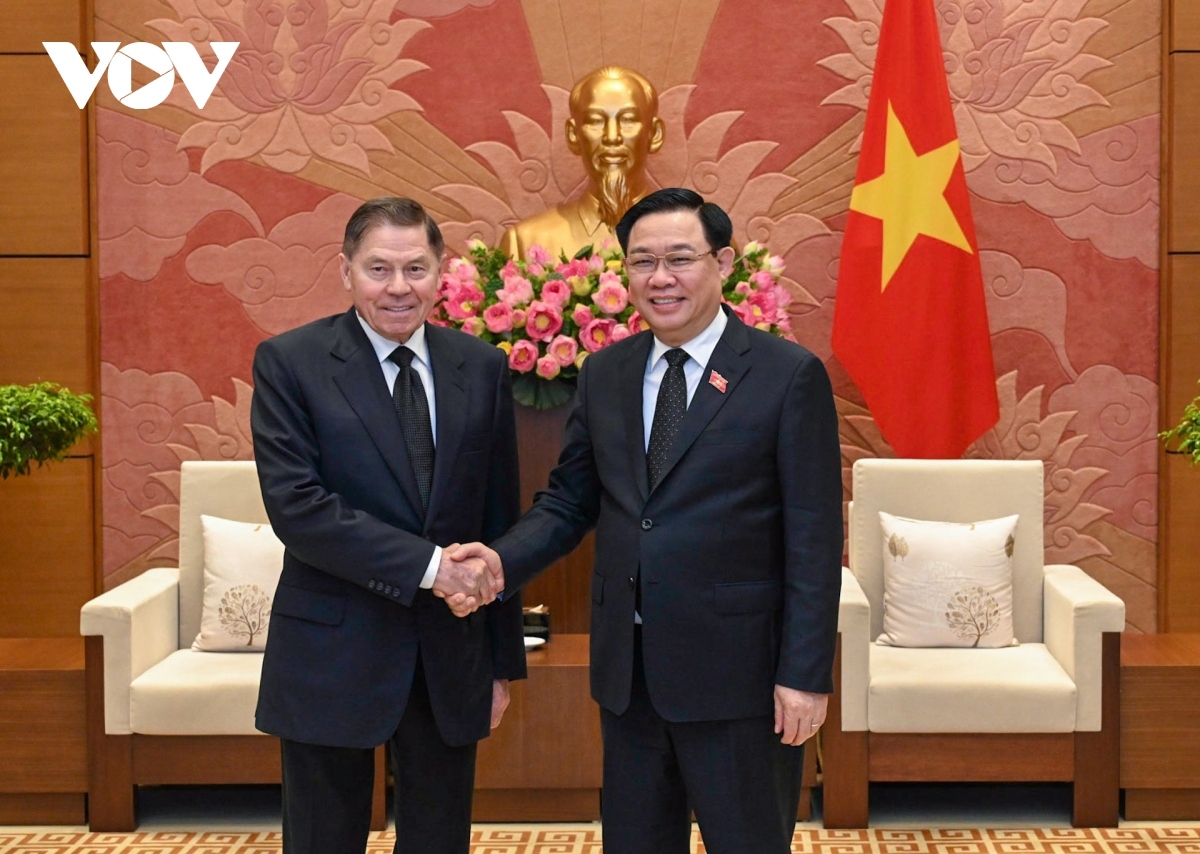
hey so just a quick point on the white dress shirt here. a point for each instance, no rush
(391, 371)
(699, 350)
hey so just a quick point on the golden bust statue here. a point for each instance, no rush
(614, 126)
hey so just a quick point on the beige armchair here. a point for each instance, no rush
(160, 713)
(1045, 710)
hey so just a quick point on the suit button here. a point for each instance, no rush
(647, 524)
(371, 584)
(396, 593)
(387, 589)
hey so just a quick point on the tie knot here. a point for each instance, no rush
(402, 356)
(675, 358)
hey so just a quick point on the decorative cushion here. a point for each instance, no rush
(242, 563)
(947, 583)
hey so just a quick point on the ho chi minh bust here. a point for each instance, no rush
(614, 126)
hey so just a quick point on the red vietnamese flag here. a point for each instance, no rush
(910, 323)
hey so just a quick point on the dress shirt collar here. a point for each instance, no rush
(384, 347)
(700, 348)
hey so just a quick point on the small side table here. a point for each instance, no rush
(43, 731)
(544, 762)
(1160, 726)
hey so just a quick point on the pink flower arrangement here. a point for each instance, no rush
(550, 314)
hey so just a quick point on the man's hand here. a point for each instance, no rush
(465, 584)
(798, 714)
(500, 700)
(481, 552)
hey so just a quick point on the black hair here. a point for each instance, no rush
(718, 230)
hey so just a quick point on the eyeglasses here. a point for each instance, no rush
(645, 263)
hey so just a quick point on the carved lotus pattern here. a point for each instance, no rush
(1015, 68)
(310, 79)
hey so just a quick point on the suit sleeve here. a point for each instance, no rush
(502, 509)
(564, 511)
(810, 476)
(317, 525)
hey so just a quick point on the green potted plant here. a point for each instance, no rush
(1186, 434)
(39, 423)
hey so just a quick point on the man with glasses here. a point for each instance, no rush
(380, 438)
(706, 455)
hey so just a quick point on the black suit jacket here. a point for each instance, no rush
(739, 546)
(348, 615)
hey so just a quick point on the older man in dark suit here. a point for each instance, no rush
(706, 455)
(379, 440)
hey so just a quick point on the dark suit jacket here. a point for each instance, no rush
(739, 547)
(348, 615)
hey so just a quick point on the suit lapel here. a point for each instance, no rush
(729, 360)
(451, 397)
(631, 373)
(360, 379)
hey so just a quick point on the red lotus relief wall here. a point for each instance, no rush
(221, 226)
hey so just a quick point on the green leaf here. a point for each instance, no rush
(531, 390)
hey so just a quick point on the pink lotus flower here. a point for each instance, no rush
(548, 367)
(556, 292)
(535, 270)
(510, 271)
(565, 349)
(597, 334)
(543, 321)
(582, 315)
(498, 317)
(463, 269)
(609, 277)
(523, 356)
(743, 288)
(519, 318)
(575, 267)
(474, 326)
(783, 297)
(538, 255)
(463, 302)
(763, 280)
(612, 298)
(595, 264)
(517, 291)
(745, 312)
(620, 333)
(635, 322)
(765, 302)
(775, 266)
(581, 285)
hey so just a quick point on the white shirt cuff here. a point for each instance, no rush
(431, 572)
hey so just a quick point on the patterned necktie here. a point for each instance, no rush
(668, 415)
(412, 407)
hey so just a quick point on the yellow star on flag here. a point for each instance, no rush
(909, 198)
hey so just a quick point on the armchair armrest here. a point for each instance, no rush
(854, 625)
(1078, 611)
(139, 621)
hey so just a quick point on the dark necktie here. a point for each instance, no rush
(668, 415)
(412, 407)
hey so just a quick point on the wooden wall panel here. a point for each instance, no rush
(43, 161)
(1184, 170)
(1180, 489)
(46, 550)
(25, 24)
(1185, 25)
(44, 322)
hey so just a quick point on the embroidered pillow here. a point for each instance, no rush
(242, 562)
(947, 583)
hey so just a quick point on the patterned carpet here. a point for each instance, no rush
(577, 839)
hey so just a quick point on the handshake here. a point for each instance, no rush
(468, 577)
